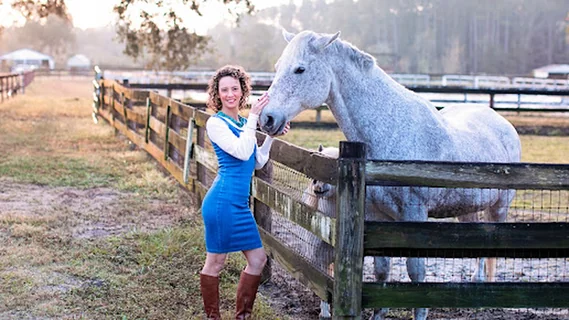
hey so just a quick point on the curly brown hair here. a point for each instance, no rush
(237, 72)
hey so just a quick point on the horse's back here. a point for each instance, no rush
(481, 134)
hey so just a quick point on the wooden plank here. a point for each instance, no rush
(468, 175)
(461, 240)
(118, 106)
(466, 295)
(131, 135)
(170, 166)
(316, 222)
(130, 93)
(158, 126)
(206, 158)
(135, 116)
(159, 101)
(177, 141)
(200, 189)
(320, 283)
(147, 123)
(263, 213)
(311, 163)
(107, 100)
(181, 110)
(166, 140)
(201, 118)
(348, 265)
(188, 153)
(105, 114)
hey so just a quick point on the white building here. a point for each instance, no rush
(27, 59)
(556, 71)
(78, 62)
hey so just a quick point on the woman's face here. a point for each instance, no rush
(230, 93)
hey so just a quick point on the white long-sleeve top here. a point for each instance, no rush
(240, 147)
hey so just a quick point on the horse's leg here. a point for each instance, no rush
(416, 271)
(415, 210)
(381, 269)
(478, 275)
(325, 254)
(498, 212)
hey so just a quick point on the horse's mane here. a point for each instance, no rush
(363, 60)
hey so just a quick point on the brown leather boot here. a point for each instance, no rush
(209, 286)
(246, 293)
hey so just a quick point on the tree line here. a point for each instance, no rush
(497, 37)
(503, 37)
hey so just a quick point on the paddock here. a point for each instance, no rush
(532, 245)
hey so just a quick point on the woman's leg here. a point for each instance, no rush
(249, 282)
(209, 284)
(256, 260)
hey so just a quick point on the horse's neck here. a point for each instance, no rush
(373, 108)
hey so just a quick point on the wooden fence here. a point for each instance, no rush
(14, 83)
(173, 134)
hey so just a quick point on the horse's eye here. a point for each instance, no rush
(299, 70)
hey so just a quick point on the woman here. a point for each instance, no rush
(229, 223)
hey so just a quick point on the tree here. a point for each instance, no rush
(148, 28)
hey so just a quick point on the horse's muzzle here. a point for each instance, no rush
(271, 123)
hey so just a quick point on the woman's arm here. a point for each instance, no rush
(262, 155)
(240, 147)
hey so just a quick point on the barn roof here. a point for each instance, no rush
(545, 71)
(78, 60)
(25, 54)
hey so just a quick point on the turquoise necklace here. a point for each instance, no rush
(239, 124)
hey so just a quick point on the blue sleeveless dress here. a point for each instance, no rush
(229, 222)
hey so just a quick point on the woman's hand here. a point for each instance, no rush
(285, 130)
(258, 106)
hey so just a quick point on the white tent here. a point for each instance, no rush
(28, 57)
(78, 61)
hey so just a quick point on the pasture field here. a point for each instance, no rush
(91, 228)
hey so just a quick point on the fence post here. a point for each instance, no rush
(200, 169)
(22, 84)
(263, 213)
(166, 142)
(350, 205)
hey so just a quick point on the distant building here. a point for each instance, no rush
(78, 62)
(552, 71)
(26, 59)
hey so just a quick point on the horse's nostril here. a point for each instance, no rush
(270, 121)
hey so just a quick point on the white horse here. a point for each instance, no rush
(395, 124)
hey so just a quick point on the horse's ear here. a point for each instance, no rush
(325, 40)
(288, 35)
(320, 148)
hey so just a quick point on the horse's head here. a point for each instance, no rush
(302, 80)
